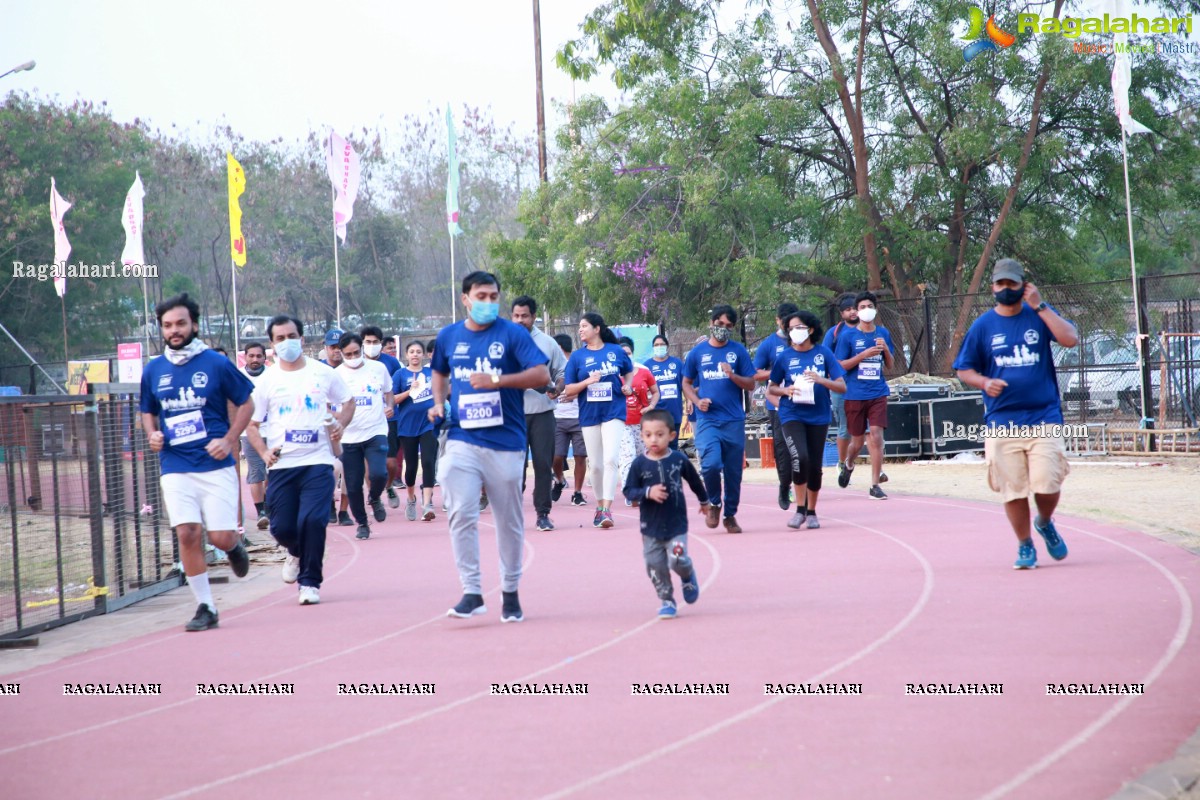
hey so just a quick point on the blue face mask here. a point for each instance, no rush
(289, 349)
(660, 351)
(484, 313)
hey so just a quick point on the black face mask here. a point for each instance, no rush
(1009, 297)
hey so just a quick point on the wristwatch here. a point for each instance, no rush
(495, 379)
(1041, 307)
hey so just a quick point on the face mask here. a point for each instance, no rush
(289, 350)
(799, 335)
(1009, 297)
(372, 350)
(352, 363)
(867, 314)
(255, 370)
(720, 334)
(660, 351)
(484, 313)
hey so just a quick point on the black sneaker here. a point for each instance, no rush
(511, 610)
(344, 519)
(264, 521)
(578, 499)
(556, 490)
(877, 493)
(483, 501)
(883, 477)
(380, 511)
(205, 618)
(544, 524)
(239, 560)
(785, 498)
(470, 605)
(333, 515)
(843, 475)
(364, 532)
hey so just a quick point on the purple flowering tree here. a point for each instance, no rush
(652, 289)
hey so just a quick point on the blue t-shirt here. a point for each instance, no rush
(412, 414)
(189, 401)
(764, 357)
(603, 400)
(1017, 350)
(791, 365)
(835, 333)
(669, 376)
(391, 362)
(865, 381)
(703, 369)
(489, 417)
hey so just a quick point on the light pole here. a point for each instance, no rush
(28, 65)
(541, 110)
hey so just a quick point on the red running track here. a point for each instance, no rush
(912, 590)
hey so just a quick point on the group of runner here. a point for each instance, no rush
(501, 390)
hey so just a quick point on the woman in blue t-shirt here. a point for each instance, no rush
(600, 373)
(412, 386)
(803, 377)
(668, 372)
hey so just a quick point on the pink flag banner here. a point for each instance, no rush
(62, 247)
(131, 220)
(345, 172)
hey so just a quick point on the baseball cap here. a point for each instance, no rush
(333, 337)
(1008, 269)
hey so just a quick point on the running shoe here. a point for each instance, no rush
(291, 569)
(205, 618)
(428, 516)
(309, 595)
(668, 610)
(731, 525)
(797, 519)
(410, 510)
(577, 499)
(607, 520)
(239, 560)
(877, 494)
(1026, 556)
(364, 532)
(785, 498)
(691, 588)
(264, 521)
(470, 605)
(333, 515)
(712, 516)
(379, 510)
(344, 519)
(883, 477)
(483, 501)
(544, 524)
(598, 518)
(393, 499)
(813, 523)
(844, 474)
(556, 490)
(510, 611)
(1055, 546)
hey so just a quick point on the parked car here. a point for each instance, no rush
(1113, 385)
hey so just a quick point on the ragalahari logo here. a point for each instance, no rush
(977, 29)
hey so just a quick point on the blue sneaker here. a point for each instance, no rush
(1055, 546)
(1026, 556)
(668, 610)
(691, 588)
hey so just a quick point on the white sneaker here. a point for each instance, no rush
(309, 595)
(291, 569)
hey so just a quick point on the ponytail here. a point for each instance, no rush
(597, 321)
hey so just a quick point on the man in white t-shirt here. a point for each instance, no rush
(291, 403)
(365, 440)
(256, 470)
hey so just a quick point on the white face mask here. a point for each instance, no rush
(352, 363)
(372, 350)
(867, 314)
(799, 335)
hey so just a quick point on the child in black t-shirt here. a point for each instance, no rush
(655, 484)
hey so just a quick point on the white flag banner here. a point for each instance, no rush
(344, 172)
(131, 220)
(62, 247)
(1122, 76)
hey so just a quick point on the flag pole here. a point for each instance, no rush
(237, 345)
(146, 314)
(66, 358)
(1137, 305)
(453, 304)
(337, 280)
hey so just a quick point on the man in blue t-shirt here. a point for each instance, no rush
(764, 361)
(715, 374)
(1007, 354)
(185, 397)
(865, 352)
(849, 314)
(484, 364)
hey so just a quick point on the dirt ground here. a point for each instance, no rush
(1155, 496)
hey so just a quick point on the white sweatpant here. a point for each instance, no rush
(604, 448)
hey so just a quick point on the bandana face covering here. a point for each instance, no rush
(186, 353)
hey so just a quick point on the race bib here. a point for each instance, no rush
(184, 428)
(300, 437)
(362, 400)
(870, 370)
(420, 393)
(669, 391)
(600, 392)
(480, 410)
(804, 394)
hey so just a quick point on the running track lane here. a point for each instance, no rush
(885, 594)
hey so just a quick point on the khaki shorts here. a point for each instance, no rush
(1017, 467)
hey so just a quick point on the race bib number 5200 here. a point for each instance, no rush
(480, 410)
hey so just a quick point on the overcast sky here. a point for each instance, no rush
(282, 68)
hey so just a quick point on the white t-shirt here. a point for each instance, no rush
(567, 409)
(367, 384)
(292, 406)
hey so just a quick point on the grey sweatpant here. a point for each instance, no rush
(661, 559)
(463, 469)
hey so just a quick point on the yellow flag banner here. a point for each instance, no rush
(237, 185)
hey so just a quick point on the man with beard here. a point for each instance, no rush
(256, 470)
(849, 312)
(186, 395)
